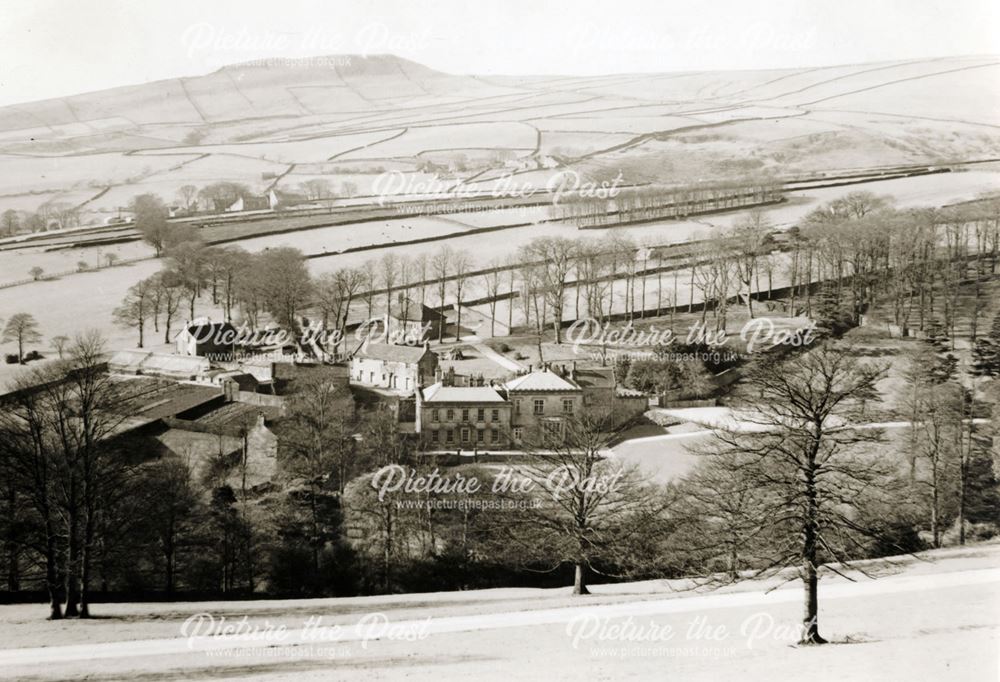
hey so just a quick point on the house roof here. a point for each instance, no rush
(128, 359)
(199, 446)
(405, 309)
(542, 380)
(204, 331)
(232, 417)
(392, 353)
(438, 393)
(152, 399)
(245, 380)
(594, 377)
(134, 361)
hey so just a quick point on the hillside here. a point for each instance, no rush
(930, 617)
(352, 119)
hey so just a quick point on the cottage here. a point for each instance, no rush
(393, 367)
(249, 202)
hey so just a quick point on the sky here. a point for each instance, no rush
(52, 48)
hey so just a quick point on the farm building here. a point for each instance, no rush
(159, 365)
(204, 338)
(410, 321)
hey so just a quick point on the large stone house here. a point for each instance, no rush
(395, 368)
(542, 400)
(463, 418)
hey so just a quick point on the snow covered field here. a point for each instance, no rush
(936, 617)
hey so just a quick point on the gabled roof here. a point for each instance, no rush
(134, 361)
(542, 380)
(204, 330)
(594, 377)
(438, 393)
(392, 353)
(152, 399)
(405, 309)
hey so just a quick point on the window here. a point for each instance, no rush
(480, 415)
(552, 428)
(517, 406)
(539, 406)
(434, 415)
(371, 377)
(495, 415)
(451, 414)
(480, 436)
(435, 436)
(465, 414)
(567, 405)
(407, 383)
(518, 433)
(449, 436)
(465, 435)
(494, 436)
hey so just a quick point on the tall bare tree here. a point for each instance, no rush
(807, 457)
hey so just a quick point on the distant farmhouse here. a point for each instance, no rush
(203, 337)
(272, 200)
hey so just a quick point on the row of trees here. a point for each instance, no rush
(655, 203)
(55, 215)
(274, 281)
(59, 472)
(834, 264)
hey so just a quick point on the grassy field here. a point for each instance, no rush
(929, 617)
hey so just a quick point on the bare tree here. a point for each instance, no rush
(558, 257)
(10, 222)
(316, 437)
(58, 344)
(389, 267)
(491, 282)
(585, 510)
(151, 220)
(748, 239)
(137, 307)
(441, 264)
(22, 329)
(806, 456)
(188, 195)
(461, 262)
